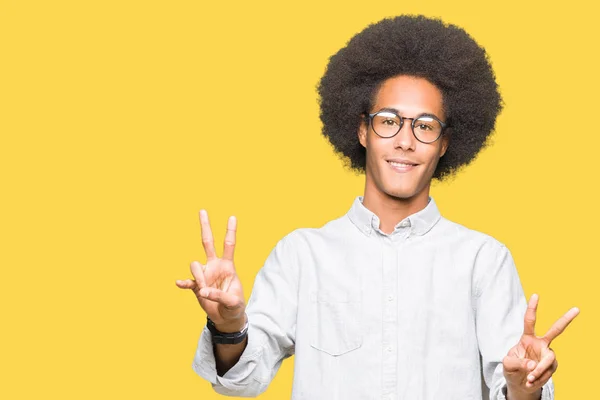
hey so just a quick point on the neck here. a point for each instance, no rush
(391, 210)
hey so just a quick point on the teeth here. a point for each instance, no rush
(396, 164)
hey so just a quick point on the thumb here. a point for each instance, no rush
(224, 298)
(515, 365)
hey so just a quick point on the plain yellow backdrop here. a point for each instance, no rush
(119, 120)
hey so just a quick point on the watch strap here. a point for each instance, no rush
(219, 337)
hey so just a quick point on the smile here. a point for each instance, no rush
(401, 167)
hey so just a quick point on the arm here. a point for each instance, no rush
(530, 364)
(227, 355)
(500, 312)
(272, 324)
(219, 291)
(247, 368)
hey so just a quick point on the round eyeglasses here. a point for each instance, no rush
(426, 128)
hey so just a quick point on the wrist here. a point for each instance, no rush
(518, 394)
(232, 326)
(227, 338)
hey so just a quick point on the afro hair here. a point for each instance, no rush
(418, 46)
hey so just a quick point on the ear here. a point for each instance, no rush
(445, 143)
(362, 132)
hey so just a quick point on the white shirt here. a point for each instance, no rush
(421, 313)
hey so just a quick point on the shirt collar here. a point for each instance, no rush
(418, 223)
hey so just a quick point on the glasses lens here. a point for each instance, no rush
(427, 129)
(386, 124)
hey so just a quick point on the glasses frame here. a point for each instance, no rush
(412, 125)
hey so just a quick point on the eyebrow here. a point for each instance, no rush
(397, 112)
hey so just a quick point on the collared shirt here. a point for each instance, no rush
(425, 313)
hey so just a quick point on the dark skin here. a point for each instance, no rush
(219, 291)
(531, 362)
(527, 366)
(398, 177)
(393, 193)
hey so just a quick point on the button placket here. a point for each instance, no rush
(389, 373)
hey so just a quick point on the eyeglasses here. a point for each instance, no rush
(426, 128)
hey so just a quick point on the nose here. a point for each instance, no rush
(405, 139)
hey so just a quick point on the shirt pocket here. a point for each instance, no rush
(335, 322)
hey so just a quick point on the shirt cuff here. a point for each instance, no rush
(235, 380)
(204, 361)
(547, 391)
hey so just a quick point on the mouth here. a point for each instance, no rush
(402, 166)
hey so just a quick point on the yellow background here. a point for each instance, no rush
(119, 120)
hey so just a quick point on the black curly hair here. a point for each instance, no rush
(418, 46)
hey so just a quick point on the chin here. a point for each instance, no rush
(406, 191)
(402, 194)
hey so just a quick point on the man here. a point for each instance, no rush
(390, 301)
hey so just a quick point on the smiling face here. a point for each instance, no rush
(401, 167)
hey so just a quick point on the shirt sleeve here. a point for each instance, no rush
(271, 312)
(499, 311)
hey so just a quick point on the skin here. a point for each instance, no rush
(531, 362)
(392, 195)
(219, 291)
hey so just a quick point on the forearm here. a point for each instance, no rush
(227, 355)
(245, 375)
(246, 368)
(512, 394)
(249, 373)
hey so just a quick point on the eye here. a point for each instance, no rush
(423, 127)
(389, 121)
(427, 124)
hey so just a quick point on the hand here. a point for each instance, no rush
(531, 363)
(216, 284)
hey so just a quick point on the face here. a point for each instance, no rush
(401, 166)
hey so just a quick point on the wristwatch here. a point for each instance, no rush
(226, 338)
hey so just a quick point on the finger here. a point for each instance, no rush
(544, 365)
(559, 326)
(186, 284)
(229, 246)
(226, 299)
(529, 327)
(198, 273)
(207, 236)
(513, 365)
(541, 381)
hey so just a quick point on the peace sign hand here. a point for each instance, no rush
(531, 363)
(216, 284)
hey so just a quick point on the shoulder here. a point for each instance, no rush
(491, 261)
(485, 254)
(337, 231)
(463, 236)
